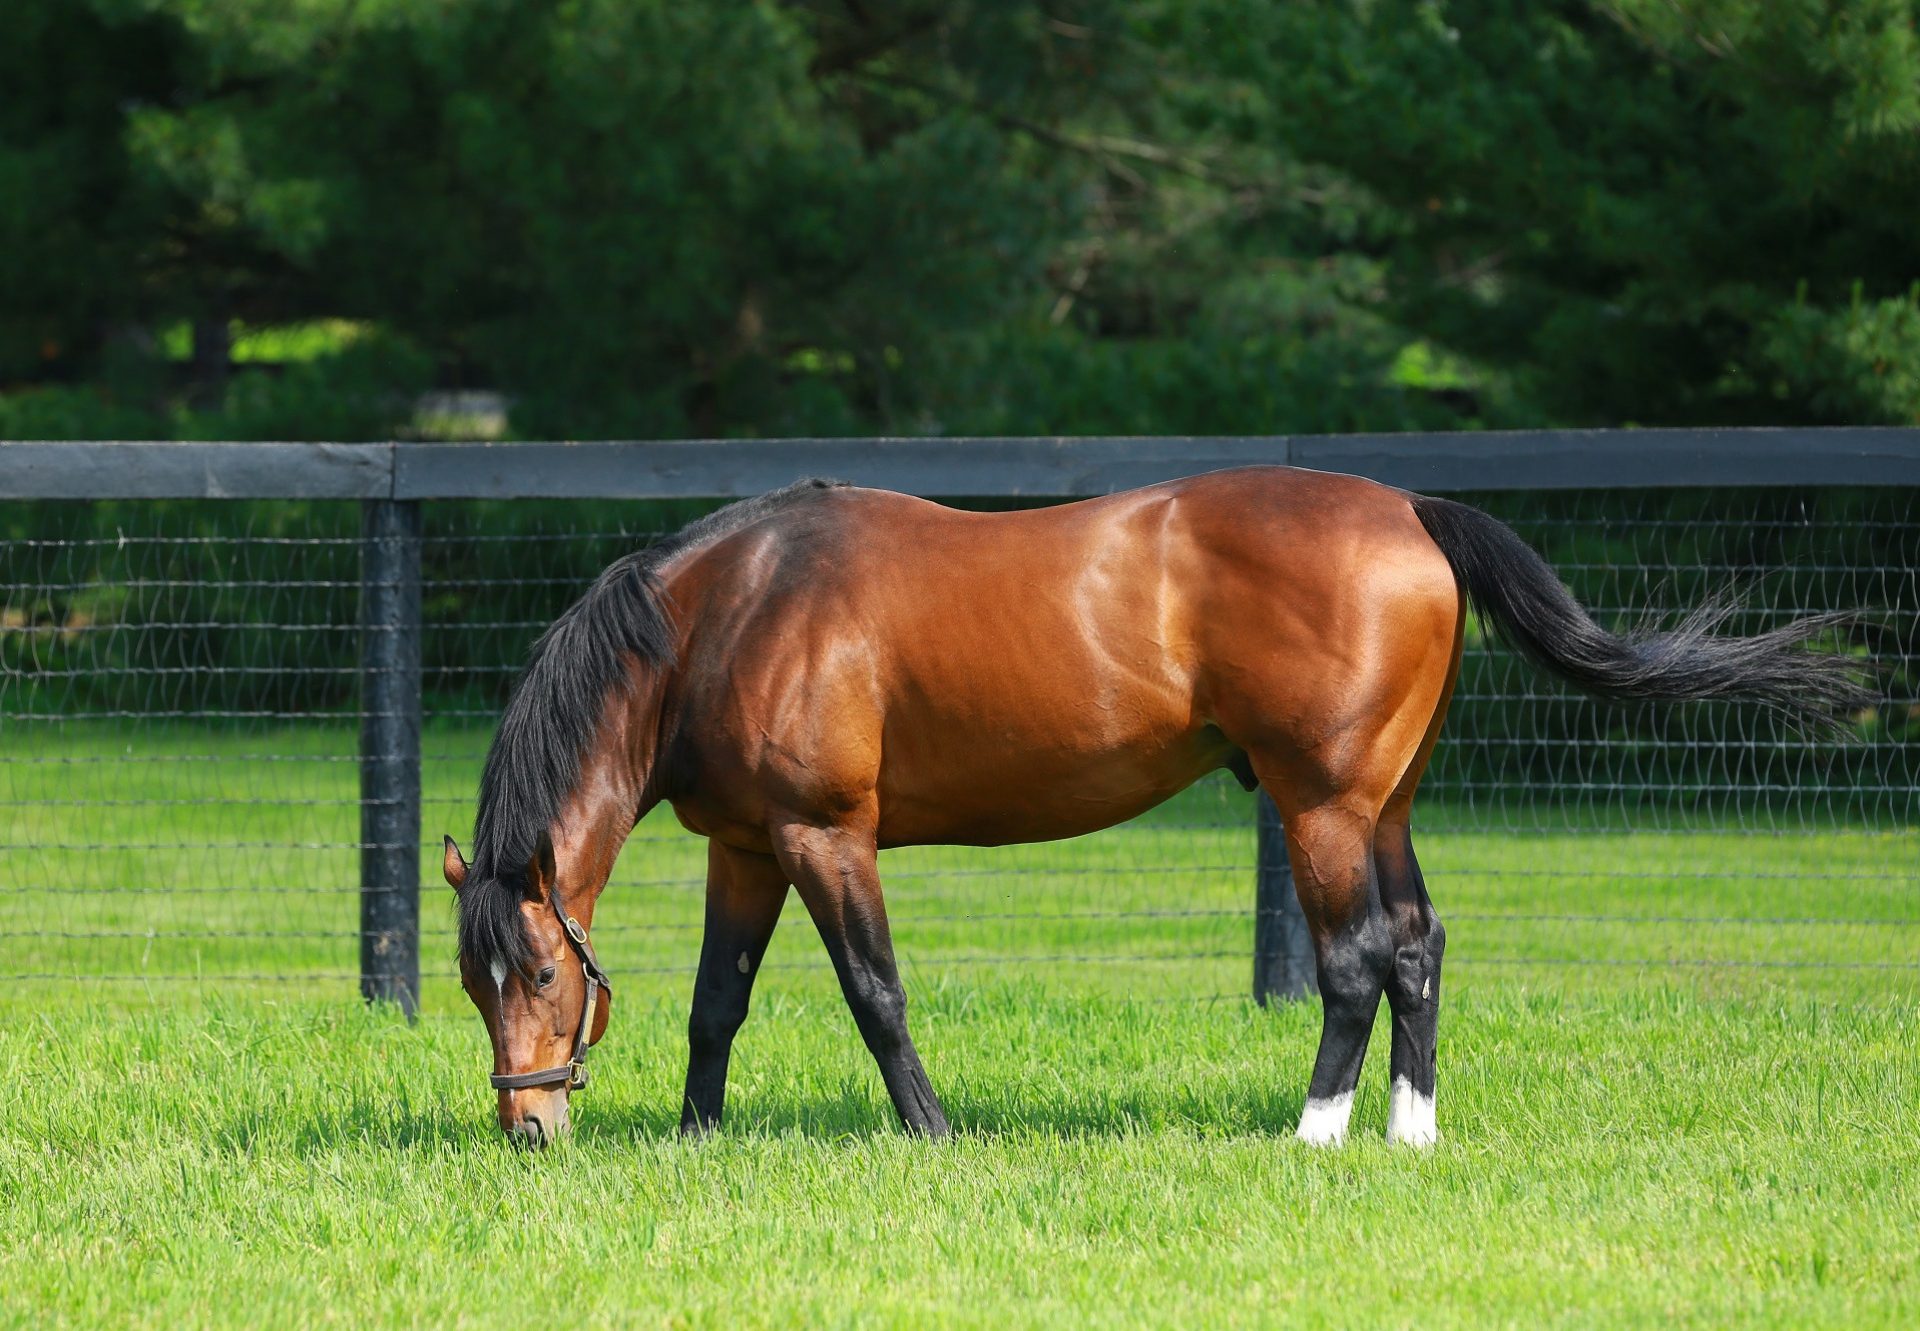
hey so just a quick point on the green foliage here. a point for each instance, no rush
(355, 393)
(1858, 361)
(1642, 211)
(656, 219)
(59, 411)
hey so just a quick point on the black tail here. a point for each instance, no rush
(1518, 594)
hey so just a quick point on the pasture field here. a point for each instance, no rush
(1622, 1144)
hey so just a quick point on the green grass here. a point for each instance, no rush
(1624, 1159)
(1624, 1144)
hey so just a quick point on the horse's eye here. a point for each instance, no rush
(545, 977)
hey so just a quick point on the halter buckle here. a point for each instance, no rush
(576, 1074)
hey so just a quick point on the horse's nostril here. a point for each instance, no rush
(529, 1132)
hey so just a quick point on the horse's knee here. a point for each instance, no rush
(715, 1021)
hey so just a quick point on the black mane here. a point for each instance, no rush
(554, 711)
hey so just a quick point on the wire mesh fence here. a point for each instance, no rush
(179, 802)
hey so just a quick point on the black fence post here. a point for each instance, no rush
(390, 752)
(1283, 964)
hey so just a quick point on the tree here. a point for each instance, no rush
(838, 216)
(1640, 211)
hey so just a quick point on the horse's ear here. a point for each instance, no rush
(540, 871)
(454, 866)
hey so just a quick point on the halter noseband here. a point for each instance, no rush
(574, 1071)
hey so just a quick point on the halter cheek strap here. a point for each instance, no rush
(574, 1071)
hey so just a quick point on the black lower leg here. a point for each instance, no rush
(879, 1004)
(1352, 974)
(1413, 983)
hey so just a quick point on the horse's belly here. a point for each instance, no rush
(984, 792)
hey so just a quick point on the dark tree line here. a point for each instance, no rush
(846, 216)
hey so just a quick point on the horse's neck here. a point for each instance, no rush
(614, 791)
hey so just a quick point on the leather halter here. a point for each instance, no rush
(574, 1071)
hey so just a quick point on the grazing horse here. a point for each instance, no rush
(823, 671)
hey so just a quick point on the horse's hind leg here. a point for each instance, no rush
(1359, 887)
(1419, 942)
(1331, 847)
(744, 895)
(1413, 985)
(837, 874)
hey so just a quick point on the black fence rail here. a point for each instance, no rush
(244, 688)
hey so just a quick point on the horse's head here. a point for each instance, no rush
(530, 969)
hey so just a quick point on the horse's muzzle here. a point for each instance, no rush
(530, 1133)
(535, 1119)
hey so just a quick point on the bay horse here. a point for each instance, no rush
(823, 671)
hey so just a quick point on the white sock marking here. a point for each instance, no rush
(1410, 1119)
(1324, 1122)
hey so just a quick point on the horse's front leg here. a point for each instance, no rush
(836, 871)
(744, 895)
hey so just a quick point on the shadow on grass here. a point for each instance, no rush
(856, 1115)
(852, 1115)
(1019, 1099)
(361, 1124)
